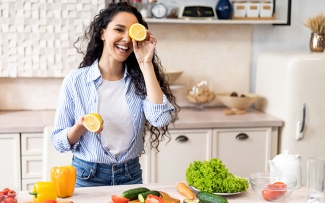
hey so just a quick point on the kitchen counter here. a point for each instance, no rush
(189, 118)
(103, 194)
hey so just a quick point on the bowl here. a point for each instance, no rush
(172, 75)
(237, 101)
(272, 187)
(9, 194)
(200, 93)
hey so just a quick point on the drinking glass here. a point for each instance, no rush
(315, 179)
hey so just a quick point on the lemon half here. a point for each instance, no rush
(93, 122)
(138, 32)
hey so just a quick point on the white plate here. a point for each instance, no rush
(221, 194)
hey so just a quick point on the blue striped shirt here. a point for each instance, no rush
(79, 96)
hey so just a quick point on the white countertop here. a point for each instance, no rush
(103, 194)
(189, 118)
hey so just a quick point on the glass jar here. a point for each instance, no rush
(149, 7)
(137, 4)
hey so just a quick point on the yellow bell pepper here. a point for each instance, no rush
(43, 191)
(64, 179)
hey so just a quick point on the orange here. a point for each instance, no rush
(138, 32)
(93, 122)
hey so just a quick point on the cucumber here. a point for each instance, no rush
(143, 196)
(207, 197)
(132, 194)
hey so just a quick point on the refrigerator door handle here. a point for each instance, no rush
(301, 125)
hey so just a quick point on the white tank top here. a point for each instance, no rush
(118, 128)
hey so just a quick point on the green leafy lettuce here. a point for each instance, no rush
(213, 176)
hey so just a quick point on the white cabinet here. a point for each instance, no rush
(172, 160)
(31, 159)
(10, 160)
(244, 151)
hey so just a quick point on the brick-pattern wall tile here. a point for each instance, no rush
(37, 36)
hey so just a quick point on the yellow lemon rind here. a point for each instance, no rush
(92, 122)
(133, 35)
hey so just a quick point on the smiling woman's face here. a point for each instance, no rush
(117, 43)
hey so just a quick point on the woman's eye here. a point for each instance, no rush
(119, 30)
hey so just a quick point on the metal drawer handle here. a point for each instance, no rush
(181, 138)
(242, 136)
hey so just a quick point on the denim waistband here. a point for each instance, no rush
(105, 167)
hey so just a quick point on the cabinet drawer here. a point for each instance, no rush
(174, 157)
(28, 184)
(31, 143)
(243, 151)
(31, 166)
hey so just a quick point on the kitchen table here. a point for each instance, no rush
(103, 194)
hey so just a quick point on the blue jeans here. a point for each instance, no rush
(96, 174)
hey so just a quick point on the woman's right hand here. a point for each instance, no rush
(81, 120)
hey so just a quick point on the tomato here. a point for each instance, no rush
(270, 194)
(12, 193)
(119, 199)
(273, 193)
(11, 200)
(2, 196)
(5, 191)
(282, 186)
(154, 199)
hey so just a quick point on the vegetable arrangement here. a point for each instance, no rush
(144, 195)
(213, 176)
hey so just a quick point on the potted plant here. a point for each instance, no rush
(317, 27)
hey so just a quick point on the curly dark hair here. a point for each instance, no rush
(94, 51)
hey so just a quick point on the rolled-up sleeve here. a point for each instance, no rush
(64, 119)
(159, 115)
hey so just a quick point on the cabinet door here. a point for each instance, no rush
(145, 166)
(10, 160)
(172, 160)
(243, 151)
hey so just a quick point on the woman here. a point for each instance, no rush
(123, 81)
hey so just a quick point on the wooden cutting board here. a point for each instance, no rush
(165, 197)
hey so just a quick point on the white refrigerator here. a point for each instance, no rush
(292, 87)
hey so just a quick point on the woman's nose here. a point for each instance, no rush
(126, 37)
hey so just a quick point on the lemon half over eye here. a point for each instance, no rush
(138, 32)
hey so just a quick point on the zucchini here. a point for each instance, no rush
(143, 196)
(132, 194)
(207, 197)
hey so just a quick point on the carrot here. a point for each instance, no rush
(185, 190)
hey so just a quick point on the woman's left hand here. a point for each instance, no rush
(144, 50)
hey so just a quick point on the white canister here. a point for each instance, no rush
(266, 9)
(240, 9)
(253, 9)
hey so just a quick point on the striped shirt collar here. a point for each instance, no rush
(94, 72)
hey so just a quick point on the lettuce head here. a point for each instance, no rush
(213, 176)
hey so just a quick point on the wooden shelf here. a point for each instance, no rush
(209, 21)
